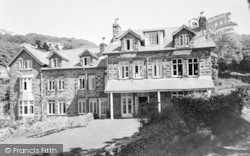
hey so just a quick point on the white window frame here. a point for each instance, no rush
(85, 61)
(25, 84)
(157, 68)
(28, 104)
(61, 108)
(82, 82)
(192, 63)
(60, 83)
(92, 104)
(54, 62)
(131, 44)
(25, 65)
(140, 68)
(51, 85)
(82, 106)
(177, 68)
(152, 38)
(184, 40)
(92, 82)
(104, 106)
(51, 110)
(126, 97)
(124, 70)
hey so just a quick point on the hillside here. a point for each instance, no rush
(10, 44)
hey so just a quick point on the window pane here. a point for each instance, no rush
(129, 105)
(179, 70)
(196, 70)
(190, 69)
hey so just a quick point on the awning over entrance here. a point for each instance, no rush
(151, 85)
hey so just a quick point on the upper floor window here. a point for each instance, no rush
(81, 82)
(85, 61)
(51, 85)
(138, 69)
(177, 66)
(92, 82)
(184, 40)
(157, 68)
(25, 64)
(25, 84)
(154, 38)
(129, 44)
(54, 62)
(123, 70)
(193, 66)
(51, 107)
(60, 85)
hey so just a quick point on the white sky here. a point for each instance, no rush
(92, 19)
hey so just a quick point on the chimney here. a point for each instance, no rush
(103, 46)
(116, 31)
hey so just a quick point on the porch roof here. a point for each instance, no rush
(151, 85)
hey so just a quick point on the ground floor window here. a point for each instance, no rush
(51, 107)
(93, 106)
(26, 107)
(61, 108)
(81, 106)
(104, 105)
(127, 105)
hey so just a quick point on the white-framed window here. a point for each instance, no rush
(157, 68)
(138, 69)
(184, 40)
(51, 85)
(193, 67)
(54, 62)
(123, 70)
(129, 44)
(60, 83)
(177, 67)
(152, 38)
(92, 82)
(177, 94)
(61, 107)
(25, 84)
(51, 107)
(25, 65)
(81, 82)
(93, 106)
(104, 105)
(85, 61)
(105, 79)
(81, 106)
(26, 107)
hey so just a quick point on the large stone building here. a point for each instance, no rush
(156, 65)
(58, 83)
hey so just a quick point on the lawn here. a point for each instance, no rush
(97, 134)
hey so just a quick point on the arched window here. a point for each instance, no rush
(187, 39)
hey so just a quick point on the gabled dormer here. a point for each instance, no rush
(56, 60)
(130, 41)
(183, 37)
(154, 37)
(87, 58)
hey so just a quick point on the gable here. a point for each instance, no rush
(88, 54)
(131, 34)
(57, 55)
(183, 28)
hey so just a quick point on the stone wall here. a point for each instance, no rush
(15, 73)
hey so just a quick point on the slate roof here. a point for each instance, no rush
(199, 42)
(169, 84)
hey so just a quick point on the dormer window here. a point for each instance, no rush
(54, 62)
(85, 61)
(129, 44)
(184, 40)
(154, 38)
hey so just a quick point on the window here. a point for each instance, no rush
(104, 105)
(25, 84)
(51, 107)
(177, 94)
(81, 106)
(93, 106)
(26, 107)
(138, 69)
(61, 108)
(123, 70)
(85, 61)
(193, 67)
(51, 85)
(105, 80)
(60, 82)
(54, 62)
(25, 64)
(81, 82)
(157, 68)
(154, 38)
(184, 40)
(91, 82)
(177, 67)
(129, 44)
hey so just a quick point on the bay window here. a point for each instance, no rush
(25, 84)
(25, 107)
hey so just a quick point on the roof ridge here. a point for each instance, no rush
(150, 29)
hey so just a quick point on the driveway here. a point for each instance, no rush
(94, 136)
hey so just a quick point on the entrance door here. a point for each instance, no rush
(127, 106)
(93, 106)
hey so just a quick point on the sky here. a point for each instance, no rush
(93, 19)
